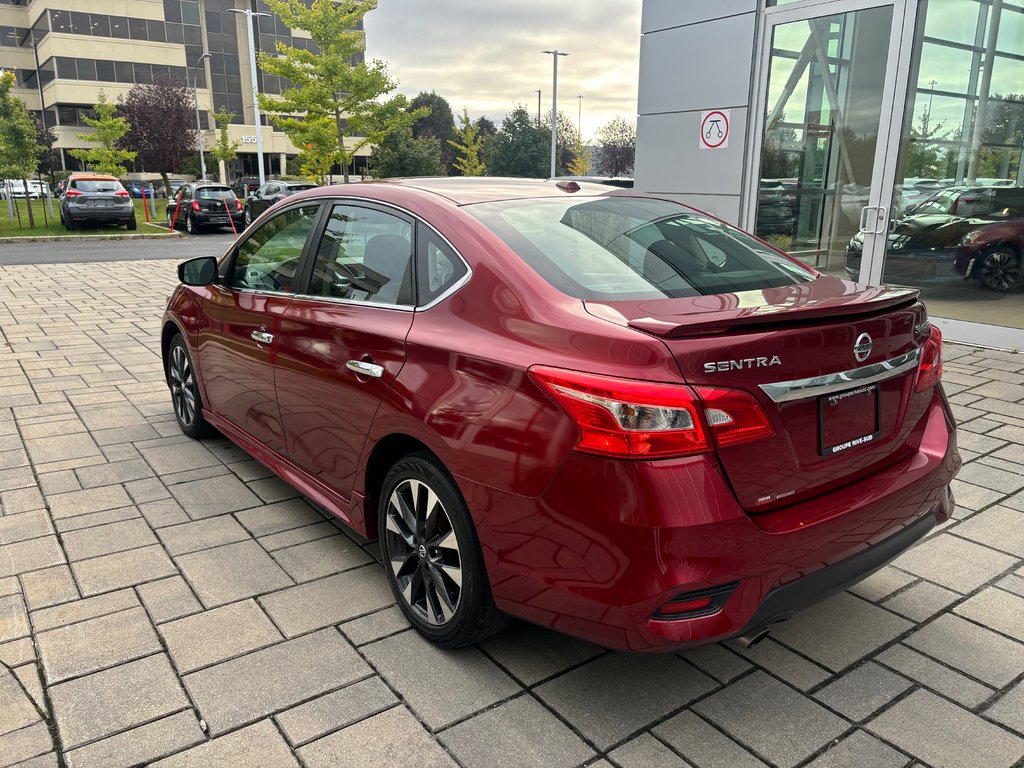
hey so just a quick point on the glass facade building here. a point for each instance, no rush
(879, 140)
(64, 56)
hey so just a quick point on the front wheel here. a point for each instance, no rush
(432, 555)
(188, 406)
(247, 218)
(1000, 270)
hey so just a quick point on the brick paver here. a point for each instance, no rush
(169, 602)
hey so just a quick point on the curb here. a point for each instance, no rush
(85, 238)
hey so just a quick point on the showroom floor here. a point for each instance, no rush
(167, 601)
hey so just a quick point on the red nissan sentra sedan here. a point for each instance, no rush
(596, 410)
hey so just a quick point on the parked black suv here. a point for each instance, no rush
(202, 204)
(93, 198)
(264, 197)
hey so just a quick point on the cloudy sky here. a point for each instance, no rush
(486, 55)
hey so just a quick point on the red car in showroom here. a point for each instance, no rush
(596, 410)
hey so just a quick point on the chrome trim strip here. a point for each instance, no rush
(827, 384)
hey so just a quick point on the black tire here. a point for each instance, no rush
(1000, 269)
(132, 224)
(420, 556)
(190, 225)
(69, 225)
(185, 399)
(247, 219)
(170, 219)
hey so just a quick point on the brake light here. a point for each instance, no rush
(929, 368)
(121, 193)
(72, 193)
(626, 418)
(195, 205)
(238, 205)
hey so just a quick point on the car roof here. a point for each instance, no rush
(463, 190)
(91, 177)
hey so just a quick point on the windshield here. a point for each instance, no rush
(634, 249)
(214, 193)
(96, 185)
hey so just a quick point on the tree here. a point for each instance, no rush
(335, 83)
(582, 157)
(924, 157)
(46, 137)
(469, 144)
(566, 136)
(107, 156)
(19, 152)
(319, 139)
(162, 126)
(616, 148)
(520, 148)
(401, 154)
(486, 127)
(225, 150)
(438, 124)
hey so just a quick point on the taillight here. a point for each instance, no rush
(734, 416)
(195, 205)
(238, 205)
(72, 193)
(626, 418)
(121, 193)
(929, 368)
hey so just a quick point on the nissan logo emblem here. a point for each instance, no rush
(862, 348)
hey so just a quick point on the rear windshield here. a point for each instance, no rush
(631, 249)
(96, 185)
(291, 189)
(214, 193)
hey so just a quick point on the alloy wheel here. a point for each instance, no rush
(423, 552)
(183, 394)
(248, 217)
(1000, 271)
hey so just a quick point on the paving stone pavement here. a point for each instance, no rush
(168, 602)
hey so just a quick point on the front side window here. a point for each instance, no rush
(364, 255)
(633, 249)
(268, 260)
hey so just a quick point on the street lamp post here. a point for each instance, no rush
(255, 86)
(554, 110)
(538, 107)
(579, 118)
(195, 97)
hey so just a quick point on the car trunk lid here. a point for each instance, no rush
(838, 414)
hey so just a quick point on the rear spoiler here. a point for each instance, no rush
(763, 317)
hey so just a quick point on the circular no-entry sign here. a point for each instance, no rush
(714, 129)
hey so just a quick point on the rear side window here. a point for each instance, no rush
(268, 260)
(631, 248)
(364, 255)
(437, 266)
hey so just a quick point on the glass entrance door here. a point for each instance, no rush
(827, 91)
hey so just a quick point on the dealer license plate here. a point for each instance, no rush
(848, 419)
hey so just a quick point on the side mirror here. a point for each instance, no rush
(198, 271)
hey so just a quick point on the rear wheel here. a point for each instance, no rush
(1000, 270)
(188, 406)
(69, 225)
(190, 225)
(247, 218)
(170, 219)
(432, 555)
(132, 224)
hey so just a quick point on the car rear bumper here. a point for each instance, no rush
(609, 543)
(120, 215)
(208, 218)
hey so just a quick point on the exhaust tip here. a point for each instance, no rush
(749, 641)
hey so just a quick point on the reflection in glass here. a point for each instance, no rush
(958, 223)
(825, 83)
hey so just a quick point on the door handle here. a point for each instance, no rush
(365, 369)
(863, 223)
(262, 337)
(882, 210)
